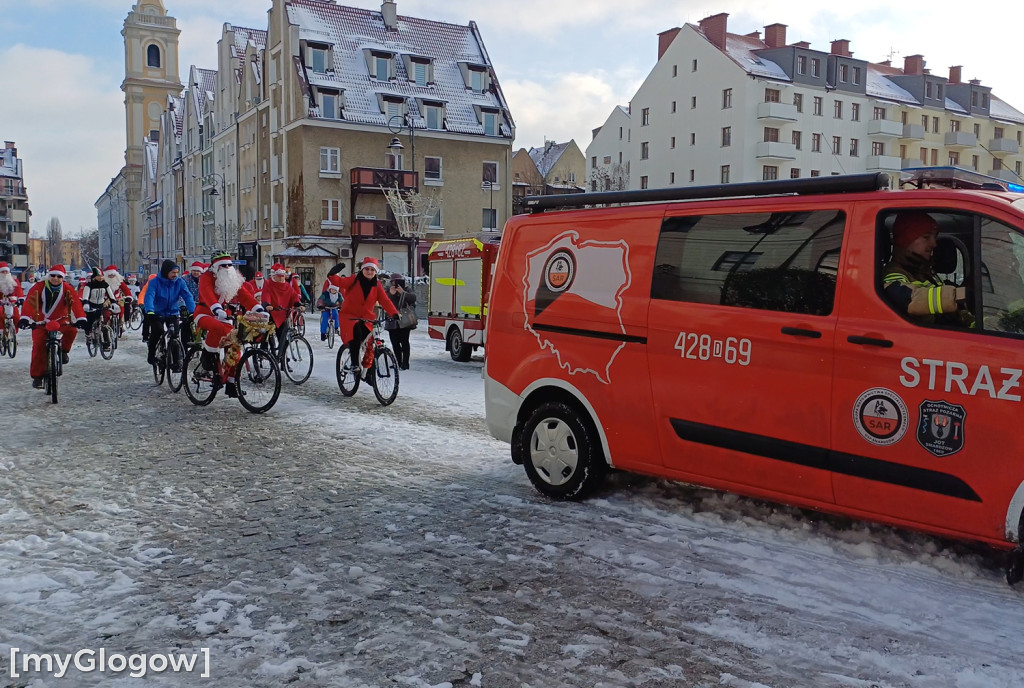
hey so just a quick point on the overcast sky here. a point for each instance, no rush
(562, 64)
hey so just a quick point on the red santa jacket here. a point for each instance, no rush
(123, 292)
(65, 305)
(359, 305)
(279, 296)
(210, 300)
(15, 294)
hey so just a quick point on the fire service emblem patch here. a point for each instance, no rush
(940, 427)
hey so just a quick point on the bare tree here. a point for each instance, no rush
(614, 177)
(54, 242)
(89, 245)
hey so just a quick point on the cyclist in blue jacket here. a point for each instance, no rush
(163, 296)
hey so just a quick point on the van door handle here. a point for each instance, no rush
(799, 332)
(870, 341)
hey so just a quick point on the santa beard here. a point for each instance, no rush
(114, 281)
(229, 281)
(7, 283)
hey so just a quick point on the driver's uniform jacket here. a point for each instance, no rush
(912, 287)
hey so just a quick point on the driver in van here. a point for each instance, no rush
(910, 283)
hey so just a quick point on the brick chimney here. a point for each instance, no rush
(715, 28)
(775, 35)
(665, 39)
(975, 82)
(389, 10)
(841, 47)
(955, 74)
(913, 64)
(802, 44)
(754, 34)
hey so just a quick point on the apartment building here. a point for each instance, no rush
(14, 210)
(609, 152)
(554, 168)
(720, 107)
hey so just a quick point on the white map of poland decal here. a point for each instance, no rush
(569, 282)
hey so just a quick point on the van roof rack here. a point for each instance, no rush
(850, 183)
(955, 178)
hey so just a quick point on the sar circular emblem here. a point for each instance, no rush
(880, 416)
(560, 271)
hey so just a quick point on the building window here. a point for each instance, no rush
(935, 157)
(490, 219)
(694, 69)
(593, 164)
(490, 174)
(645, 150)
(620, 133)
(935, 124)
(318, 59)
(608, 159)
(329, 160)
(844, 73)
(394, 161)
(984, 101)
(490, 123)
(801, 64)
(837, 145)
(855, 112)
(815, 67)
(727, 99)
(434, 114)
(997, 133)
(726, 136)
(903, 152)
(692, 175)
(877, 148)
(854, 148)
(856, 76)
(997, 164)
(954, 125)
(382, 67)
(769, 172)
(878, 113)
(330, 104)
(904, 118)
(435, 221)
(794, 173)
(671, 177)
(797, 139)
(815, 173)
(330, 213)
(1017, 167)
(815, 143)
(693, 139)
(693, 103)
(645, 117)
(924, 123)
(771, 134)
(476, 80)
(724, 174)
(798, 101)
(974, 162)
(675, 71)
(837, 109)
(772, 95)
(818, 103)
(954, 158)
(420, 72)
(643, 182)
(672, 143)
(928, 89)
(673, 107)
(974, 99)
(977, 131)
(432, 169)
(153, 56)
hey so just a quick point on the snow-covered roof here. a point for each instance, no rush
(741, 50)
(152, 151)
(1001, 110)
(545, 158)
(880, 86)
(244, 36)
(354, 31)
(314, 251)
(203, 86)
(624, 109)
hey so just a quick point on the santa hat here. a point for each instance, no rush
(334, 287)
(278, 269)
(4, 267)
(220, 260)
(110, 270)
(370, 262)
(57, 270)
(196, 265)
(259, 275)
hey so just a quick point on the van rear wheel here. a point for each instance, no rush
(561, 452)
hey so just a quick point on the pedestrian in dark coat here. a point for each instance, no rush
(400, 297)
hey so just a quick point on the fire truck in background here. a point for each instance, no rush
(460, 285)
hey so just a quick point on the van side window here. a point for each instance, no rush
(783, 261)
(947, 288)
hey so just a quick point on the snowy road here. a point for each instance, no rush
(333, 542)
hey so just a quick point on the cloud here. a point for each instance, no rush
(67, 120)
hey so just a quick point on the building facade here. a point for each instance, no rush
(554, 168)
(42, 253)
(719, 107)
(14, 210)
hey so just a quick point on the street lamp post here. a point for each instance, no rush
(396, 125)
(224, 200)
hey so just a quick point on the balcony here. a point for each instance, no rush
(885, 127)
(1004, 146)
(371, 179)
(782, 112)
(961, 139)
(883, 162)
(775, 150)
(19, 238)
(1005, 174)
(376, 229)
(908, 163)
(914, 132)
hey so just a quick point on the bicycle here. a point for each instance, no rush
(332, 327)
(383, 366)
(99, 339)
(297, 361)
(257, 381)
(134, 316)
(297, 321)
(54, 362)
(169, 355)
(116, 322)
(9, 334)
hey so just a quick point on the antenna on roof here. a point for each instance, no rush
(892, 53)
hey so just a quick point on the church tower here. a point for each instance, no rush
(151, 75)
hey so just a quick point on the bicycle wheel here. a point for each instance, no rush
(258, 381)
(175, 365)
(53, 372)
(135, 322)
(332, 333)
(115, 327)
(91, 344)
(199, 382)
(348, 379)
(106, 342)
(159, 361)
(3, 342)
(385, 376)
(300, 324)
(12, 340)
(298, 360)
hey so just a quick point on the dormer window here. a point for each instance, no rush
(476, 76)
(380, 66)
(433, 113)
(330, 103)
(320, 58)
(392, 106)
(421, 70)
(491, 121)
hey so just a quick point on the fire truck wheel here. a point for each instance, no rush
(457, 346)
(562, 452)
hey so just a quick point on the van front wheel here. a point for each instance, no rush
(561, 452)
